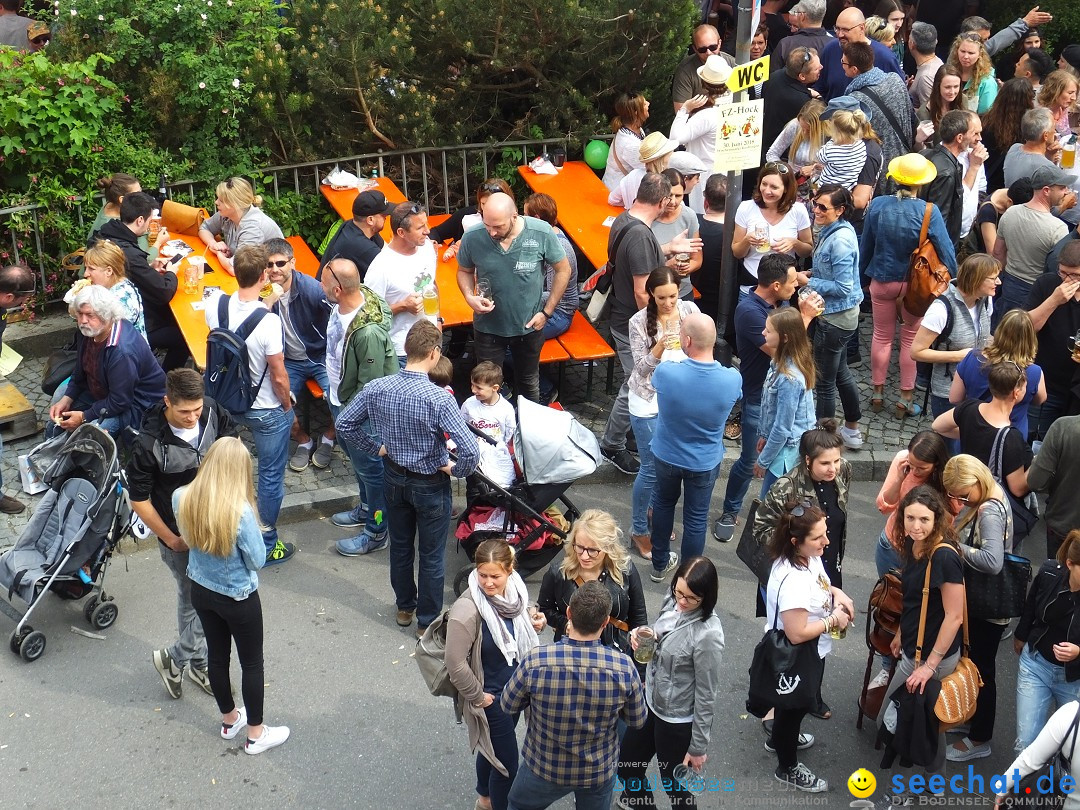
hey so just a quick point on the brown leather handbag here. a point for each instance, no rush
(180, 218)
(960, 688)
(927, 277)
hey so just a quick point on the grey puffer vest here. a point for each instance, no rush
(962, 336)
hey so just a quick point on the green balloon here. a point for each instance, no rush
(596, 154)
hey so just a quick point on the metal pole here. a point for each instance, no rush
(728, 274)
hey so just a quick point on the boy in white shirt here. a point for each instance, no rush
(489, 412)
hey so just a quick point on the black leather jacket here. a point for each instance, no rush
(1050, 583)
(627, 604)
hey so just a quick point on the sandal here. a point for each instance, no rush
(643, 544)
(908, 407)
(822, 712)
(877, 403)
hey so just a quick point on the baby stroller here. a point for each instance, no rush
(66, 546)
(551, 450)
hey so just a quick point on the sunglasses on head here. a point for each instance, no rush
(491, 188)
(801, 509)
(330, 267)
(708, 48)
(775, 166)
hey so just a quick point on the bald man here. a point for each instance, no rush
(686, 83)
(851, 27)
(506, 258)
(694, 398)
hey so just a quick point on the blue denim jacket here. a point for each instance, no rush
(836, 267)
(235, 575)
(787, 412)
(891, 232)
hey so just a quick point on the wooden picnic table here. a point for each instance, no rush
(583, 206)
(452, 307)
(191, 321)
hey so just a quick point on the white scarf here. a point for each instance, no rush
(524, 638)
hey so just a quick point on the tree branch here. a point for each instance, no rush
(358, 89)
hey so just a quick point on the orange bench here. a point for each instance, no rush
(584, 344)
(306, 260)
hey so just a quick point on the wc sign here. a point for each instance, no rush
(749, 74)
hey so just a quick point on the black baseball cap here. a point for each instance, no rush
(370, 203)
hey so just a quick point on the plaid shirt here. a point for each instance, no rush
(575, 690)
(411, 416)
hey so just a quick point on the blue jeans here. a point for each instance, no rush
(270, 431)
(1012, 295)
(833, 374)
(646, 478)
(489, 782)
(530, 792)
(743, 470)
(1038, 682)
(696, 488)
(300, 371)
(418, 512)
(369, 477)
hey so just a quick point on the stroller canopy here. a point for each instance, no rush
(551, 446)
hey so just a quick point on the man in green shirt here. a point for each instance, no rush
(501, 275)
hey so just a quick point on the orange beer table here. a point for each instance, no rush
(583, 206)
(191, 321)
(341, 201)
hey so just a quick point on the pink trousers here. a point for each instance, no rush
(884, 297)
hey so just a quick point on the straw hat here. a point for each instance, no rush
(715, 70)
(911, 170)
(656, 145)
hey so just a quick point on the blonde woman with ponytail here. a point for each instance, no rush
(239, 221)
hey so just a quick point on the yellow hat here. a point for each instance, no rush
(911, 170)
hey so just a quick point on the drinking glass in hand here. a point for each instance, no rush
(483, 289)
(646, 645)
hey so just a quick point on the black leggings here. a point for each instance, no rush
(669, 742)
(224, 619)
(985, 637)
(787, 723)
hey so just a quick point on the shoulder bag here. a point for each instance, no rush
(960, 688)
(754, 554)
(1000, 595)
(883, 612)
(783, 675)
(1025, 511)
(927, 276)
(599, 284)
(1031, 790)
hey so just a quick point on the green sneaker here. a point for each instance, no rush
(281, 552)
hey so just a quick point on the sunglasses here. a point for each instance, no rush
(823, 208)
(279, 264)
(708, 48)
(490, 188)
(582, 551)
(801, 509)
(775, 166)
(330, 267)
(959, 499)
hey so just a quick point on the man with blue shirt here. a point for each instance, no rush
(508, 255)
(851, 27)
(412, 417)
(694, 398)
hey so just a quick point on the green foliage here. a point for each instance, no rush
(183, 65)
(306, 215)
(49, 109)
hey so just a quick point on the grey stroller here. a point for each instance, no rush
(66, 546)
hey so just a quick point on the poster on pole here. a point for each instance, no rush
(738, 136)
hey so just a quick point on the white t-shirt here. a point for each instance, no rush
(749, 216)
(265, 341)
(499, 422)
(806, 588)
(336, 328)
(189, 435)
(934, 319)
(395, 277)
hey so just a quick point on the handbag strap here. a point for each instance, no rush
(925, 605)
(997, 454)
(1074, 729)
(925, 223)
(615, 154)
(776, 613)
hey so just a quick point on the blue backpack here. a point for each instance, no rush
(228, 374)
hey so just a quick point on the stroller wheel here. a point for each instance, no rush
(88, 608)
(461, 580)
(15, 639)
(32, 646)
(104, 615)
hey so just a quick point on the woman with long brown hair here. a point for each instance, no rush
(628, 124)
(787, 399)
(1001, 126)
(944, 96)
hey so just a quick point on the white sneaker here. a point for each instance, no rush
(852, 437)
(881, 679)
(229, 732)
(272, 737)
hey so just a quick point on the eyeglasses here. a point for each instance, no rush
(278, 264)
(330, 267)
(708, 48)
(688, 598)
(583, 551)
(959, 498)
(844, 64)
(1069, 276)
(838, 30)
(775, 166)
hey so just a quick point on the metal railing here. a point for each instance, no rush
(443, 179)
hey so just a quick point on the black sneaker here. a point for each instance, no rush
(281, 552)
(801, 778)
(622, 460)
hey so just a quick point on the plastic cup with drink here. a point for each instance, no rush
(761, 233)
(483, 289)
(431, 301)
(193, 273)
(646, 644)
(689, 779)
(1068, 152)
(807, 294)
(155, 225)
(672, 341)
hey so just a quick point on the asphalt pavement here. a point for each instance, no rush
(90, 722)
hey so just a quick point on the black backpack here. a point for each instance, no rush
(228, 374)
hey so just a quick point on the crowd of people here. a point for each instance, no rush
(879, 135)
